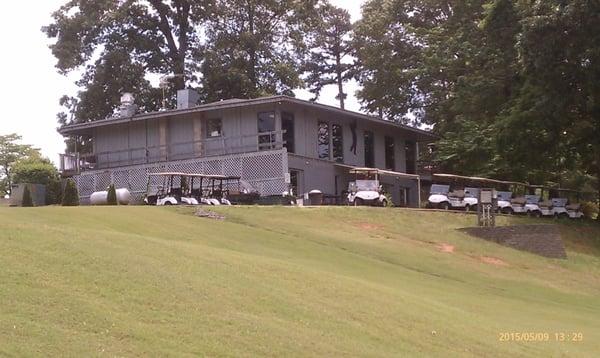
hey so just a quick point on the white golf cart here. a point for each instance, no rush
(365, 189)
(441, 197)
(202, 189)
(171, 191)
(504, 205)
(565, 207)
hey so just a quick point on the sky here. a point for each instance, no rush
(30, 86)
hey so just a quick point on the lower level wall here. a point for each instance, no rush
(265, 170)
(332, 179)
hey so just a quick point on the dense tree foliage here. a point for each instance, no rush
(330, 47)
(116, 44)
(11, 151)
(254, 47)
(511, 86)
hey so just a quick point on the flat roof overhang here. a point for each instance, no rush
(417, 134)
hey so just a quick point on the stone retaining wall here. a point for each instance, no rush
(541, 240)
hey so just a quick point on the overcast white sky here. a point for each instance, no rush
(30, 86)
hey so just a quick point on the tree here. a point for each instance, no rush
(330, 44)
(111, 197)
(116, 44)
(254, 48)
(27, 200)
(71, 194)
(10, 152)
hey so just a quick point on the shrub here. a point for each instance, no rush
(111, 198)
(27, 200)
(70, 195)
(589, 209)
(54, 192)
(34, 170)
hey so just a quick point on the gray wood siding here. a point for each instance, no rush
(239, 130)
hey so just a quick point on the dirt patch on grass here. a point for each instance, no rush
(368, 226)
(492, 261)
(445, 248)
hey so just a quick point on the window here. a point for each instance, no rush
(338, 142)
(214, 127)
(369, 149)
(390, 158)
(323, 140)
(411, 157)
(266, 125)
(287, 125)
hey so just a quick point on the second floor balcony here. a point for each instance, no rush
(74, 163)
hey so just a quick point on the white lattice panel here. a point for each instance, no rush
(264, 170)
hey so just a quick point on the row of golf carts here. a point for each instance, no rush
(177, 188)
(513, 197)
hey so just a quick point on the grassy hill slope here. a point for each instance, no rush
(281, 281)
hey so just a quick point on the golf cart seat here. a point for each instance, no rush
(459, 194)
(518, 201)
(573, 207)
(547, 204)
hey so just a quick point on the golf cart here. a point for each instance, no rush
(504, 205)
(238, 191)
(169, 193)
(460, 197)
(365, 189)
(567, 209)
(202, 189)
(441, 197)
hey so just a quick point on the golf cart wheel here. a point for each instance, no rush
(384, 203)
(563, 216)
(507, 211)
(167, 203)
(444, 206)
(358, 202)
(534, 214)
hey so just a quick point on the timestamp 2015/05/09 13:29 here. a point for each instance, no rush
(540, 337)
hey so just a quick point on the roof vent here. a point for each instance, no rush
(187, 98)
(128, 106)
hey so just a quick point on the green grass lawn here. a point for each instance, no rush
(279, 281)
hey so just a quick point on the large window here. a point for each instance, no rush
(369, 140)
(323, 140)
(411, 157)
(390, 158)
(266, 131)
(337, 138)
(287, 125)
(214, 127)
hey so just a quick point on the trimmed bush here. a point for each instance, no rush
(27, 200)
(70, 195)
(54, 192)
(111, 198)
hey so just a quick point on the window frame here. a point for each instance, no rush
(209, 133)
(370, 163)
(320, 144)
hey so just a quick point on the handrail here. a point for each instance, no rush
(205, 147)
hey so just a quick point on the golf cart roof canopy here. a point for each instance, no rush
(479, 179)
(168, 174)
(364, 170)
(197, 175)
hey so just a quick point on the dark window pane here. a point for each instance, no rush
(266, 124)
(411, 157)
(213, 127)
(369, 140)
(338, 142)
(390, 157)
(323, 140)
(287, 125)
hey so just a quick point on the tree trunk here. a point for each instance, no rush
(340, 83)
(252, 51)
